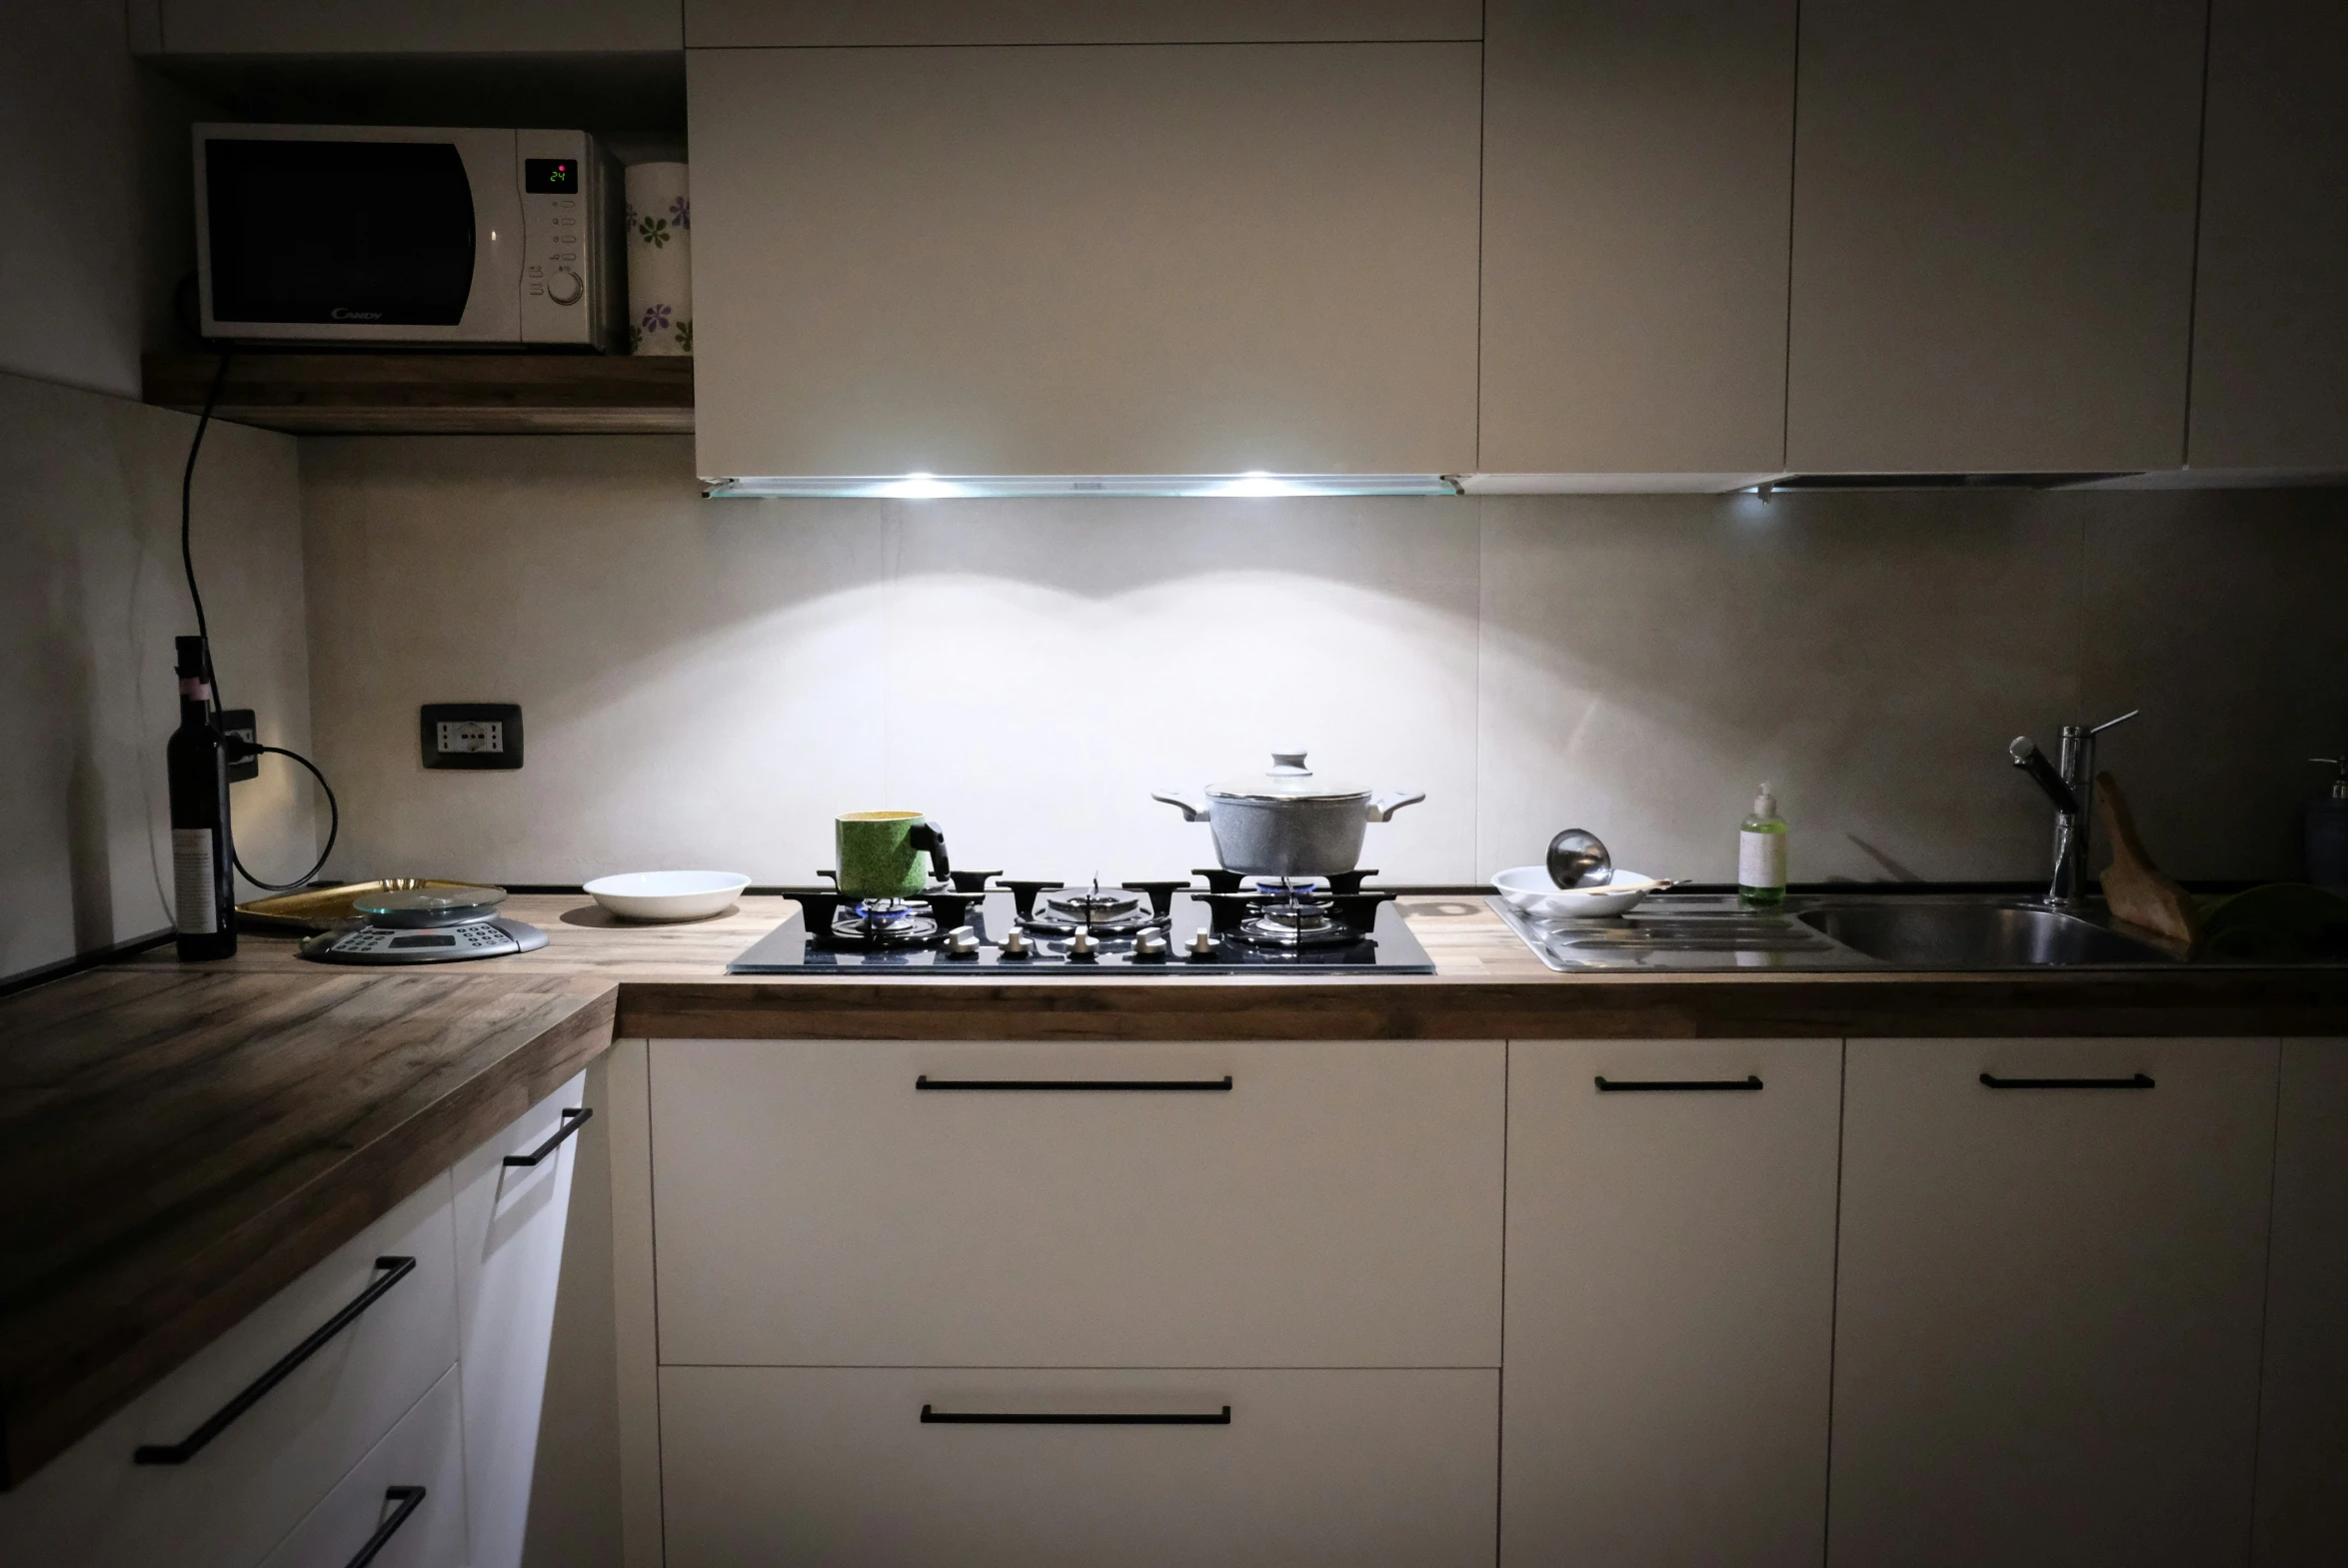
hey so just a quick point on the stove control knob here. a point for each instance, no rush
(1151, 947)
(1202, 943)
(1016, 944)
(1083, 944)
(962, 942)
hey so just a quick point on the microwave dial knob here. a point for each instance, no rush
(566, 287)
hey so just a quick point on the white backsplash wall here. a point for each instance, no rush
(709, 683)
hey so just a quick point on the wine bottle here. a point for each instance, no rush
(201, 872)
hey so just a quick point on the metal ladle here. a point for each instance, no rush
(1577, 859)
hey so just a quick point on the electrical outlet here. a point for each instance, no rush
(239, 723)
(472, 735)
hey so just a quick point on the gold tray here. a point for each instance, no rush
(327, 909)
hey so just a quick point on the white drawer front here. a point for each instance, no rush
(424, 1450)
(236, 1499)
(820, 1467)
(1338, 1205)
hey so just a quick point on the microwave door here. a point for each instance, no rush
(380, 235)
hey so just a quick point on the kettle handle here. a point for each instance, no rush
(1193, 809)
(1387, 802)
(929, 836)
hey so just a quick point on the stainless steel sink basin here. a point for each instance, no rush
(1974, 936)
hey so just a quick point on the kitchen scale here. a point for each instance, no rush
(433, 925)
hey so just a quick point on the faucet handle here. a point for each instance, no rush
(2111, 723)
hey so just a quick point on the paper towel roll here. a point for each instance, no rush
(660, 259)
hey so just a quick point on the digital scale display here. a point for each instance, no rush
(550, 176)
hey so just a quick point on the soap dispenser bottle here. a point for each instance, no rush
(2327, 829)
(1760, 854)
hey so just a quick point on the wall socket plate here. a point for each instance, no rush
(241, 722)
(472, 735)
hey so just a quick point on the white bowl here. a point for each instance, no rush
(667, 895)
(1529, 891)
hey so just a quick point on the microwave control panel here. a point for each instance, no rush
(565, 268)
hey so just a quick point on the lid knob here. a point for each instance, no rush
(1289, 762)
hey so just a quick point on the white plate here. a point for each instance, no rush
(667, 895)
(1530, 891)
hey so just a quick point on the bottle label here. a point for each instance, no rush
(193, 876)
(1760, 859)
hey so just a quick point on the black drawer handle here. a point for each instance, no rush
(1077, 1085)
(410, 1498)
(573, 1119)
(397, 1268)
(935, 1417)
(1743, 1085)
(2137, 1080)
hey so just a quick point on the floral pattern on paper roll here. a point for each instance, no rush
(659, 267)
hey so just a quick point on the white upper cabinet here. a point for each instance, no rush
(1993, 234)
(1086, 260)
(1638, 185)
(411, 26)
(2270, 319)
(728, 23)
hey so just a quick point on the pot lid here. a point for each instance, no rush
(428, 901)
(1287, 779)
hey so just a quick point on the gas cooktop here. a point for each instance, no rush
(1232, 925)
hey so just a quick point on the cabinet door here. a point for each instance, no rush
(509, 1222)
(420, 26)
(1338, 1205)
(800, 23)
(425, 1450)
(1638, 185)
(2303, 1411)
(1993, 234)
(2270, 306)
(1146, 260)
(819, 1467)
(1670, 1301)
(2047, 1313)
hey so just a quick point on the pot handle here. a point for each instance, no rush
(1193, 809)
(1387, 802)
(927, 836)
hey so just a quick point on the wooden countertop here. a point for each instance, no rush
(178, 1142)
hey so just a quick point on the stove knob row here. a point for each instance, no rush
(962, 942)
(1151, 947)
(1082, 944)
(1018, 945)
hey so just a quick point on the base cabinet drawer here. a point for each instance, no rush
(405, 1498)
(899, 1203)
(837, 1468)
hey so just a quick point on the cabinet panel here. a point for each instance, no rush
(419, 26)
(2048, 1304)
(509, 1224)
(803, 22)
(1671, 1303)
(1085, 261)
(815, 1466)
(1638, 187)
(2303, 1411)
(1338, 1205)
(2270, 310)
(1993, 234)
(424, 1449)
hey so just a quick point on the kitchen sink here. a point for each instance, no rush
(1974, 936)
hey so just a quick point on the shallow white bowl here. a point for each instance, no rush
(667, 895)
(1529, 891)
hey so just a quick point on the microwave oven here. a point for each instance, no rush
(397, 234)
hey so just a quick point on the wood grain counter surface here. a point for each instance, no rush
(178, 1142)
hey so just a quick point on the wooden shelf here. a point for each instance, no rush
(431, 394)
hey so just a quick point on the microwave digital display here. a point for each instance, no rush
(550, 176)
(331, 231)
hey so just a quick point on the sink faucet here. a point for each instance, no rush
(2072, 789)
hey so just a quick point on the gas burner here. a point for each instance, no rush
(1110, 912)
(884, 922)
(1304, 918)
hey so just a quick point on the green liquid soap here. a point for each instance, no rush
(1760, 854)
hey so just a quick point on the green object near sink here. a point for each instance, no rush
(2279, 922)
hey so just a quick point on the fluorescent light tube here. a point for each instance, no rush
(933, 486)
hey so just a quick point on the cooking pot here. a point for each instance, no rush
(1288, 821)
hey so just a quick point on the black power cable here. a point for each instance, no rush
(239, 752)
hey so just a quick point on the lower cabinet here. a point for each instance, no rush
(852, 1467)
(2050, 1288)
(1670, 1301)
(405, 1499)
(2303, 1409)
